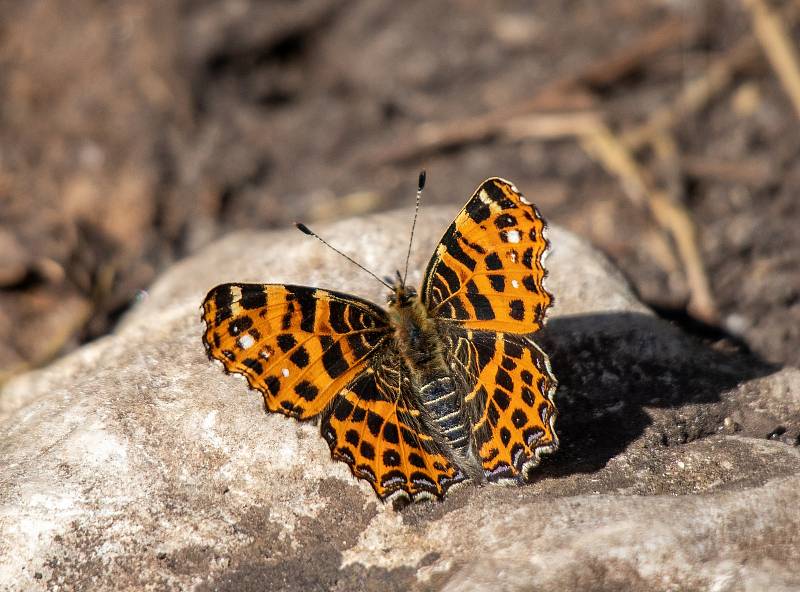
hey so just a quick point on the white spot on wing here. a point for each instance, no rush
(246, 341)
(265, 353)
(513, 236)
(515, 283)
(285, 372)
(523, 200)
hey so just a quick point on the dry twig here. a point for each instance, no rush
(698, 93)
(613, 154)
(778, 47)
(566, 93)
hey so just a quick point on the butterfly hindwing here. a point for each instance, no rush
(299, 346)
(487, 271)
(371, 426)
(510, 389)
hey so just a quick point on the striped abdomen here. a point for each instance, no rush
(444, 408)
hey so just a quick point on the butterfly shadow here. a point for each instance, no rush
(621, 373)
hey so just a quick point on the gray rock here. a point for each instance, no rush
(135, 462)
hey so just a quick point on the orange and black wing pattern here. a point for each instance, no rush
(372, 428)
(510, 389)
(487, 272)
(313, 352)
(299, 346)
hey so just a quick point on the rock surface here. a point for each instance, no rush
(134, 462)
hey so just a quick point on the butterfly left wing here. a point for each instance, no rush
(372, 427)
(312, 352)
(510, 389)
(487, 272)
(299, 346)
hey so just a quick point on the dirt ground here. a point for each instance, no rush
(133, 133)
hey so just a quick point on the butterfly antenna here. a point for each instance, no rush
(420, 187)
(306, 230)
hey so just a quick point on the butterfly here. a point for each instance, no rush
(442, 386)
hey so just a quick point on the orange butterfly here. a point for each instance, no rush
(441, 387)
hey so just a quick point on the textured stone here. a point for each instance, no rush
(135, 462)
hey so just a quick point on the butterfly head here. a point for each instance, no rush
(401, 296)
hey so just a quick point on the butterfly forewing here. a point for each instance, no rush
(299, 346)
(487, 271)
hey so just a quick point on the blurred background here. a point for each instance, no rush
(134, 133)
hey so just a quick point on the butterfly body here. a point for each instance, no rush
(442, 386)
(433, 395)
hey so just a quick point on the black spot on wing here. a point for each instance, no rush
(508, 363)
(223, 298)
(273, 384)
(254, 365)
(390, 433)
(300, 357)
(485, 349)
(501, 399)
(342, 408)
(286, 320)
(416, 460)
(367, 450)
(527, 258)
(306, 390)
(351, 437)
(359, 413)
(374, 423)
(333, 360)
(493, 262)
(391, 458)
(308, 306)
(518, 418)
(503, 378)
(286, 341)
(529, 283)
(527, 396)
(505, 221)
(253, 296)
(394, 478)
(516, 310)
(477, 210)
(336, 316)
(481, 305)
(239, 325)
(498, 282)
(408, 436)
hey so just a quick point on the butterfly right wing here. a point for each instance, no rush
(487, 272)
(299, 346)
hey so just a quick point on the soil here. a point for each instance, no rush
(131, 134)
